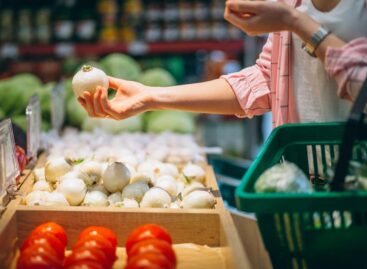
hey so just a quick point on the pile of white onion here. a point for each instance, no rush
(149, 184)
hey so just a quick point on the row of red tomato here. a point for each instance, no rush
(148, 246)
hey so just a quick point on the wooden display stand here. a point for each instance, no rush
(212, 229)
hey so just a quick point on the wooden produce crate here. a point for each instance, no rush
(218, 242)
(203, 238)
(29, 180)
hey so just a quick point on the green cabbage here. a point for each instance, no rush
(75, 113)
(121, 66)
(132, 124)
(16, 91)
(174, 121)
(157, 77)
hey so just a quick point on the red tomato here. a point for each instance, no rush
(147, 231)
(84, 254)
(105, 232)
(84, 265)
(39, 257)
(97, 241)
(45, 239)
(154, 246)
(53, 228)
(149, 261)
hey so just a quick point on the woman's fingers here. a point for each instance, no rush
(89, 106)
(96, 102)
(113, 83)
(241, 6)
(106, 107)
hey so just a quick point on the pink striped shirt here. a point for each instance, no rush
(268, 85)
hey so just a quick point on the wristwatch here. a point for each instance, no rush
(315, 40)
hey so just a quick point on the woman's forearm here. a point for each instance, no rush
(304, 26)
(214, 96)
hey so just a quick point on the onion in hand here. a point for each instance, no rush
(87, 79)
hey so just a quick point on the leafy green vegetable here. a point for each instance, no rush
(121, 66)
(174, 121)
(156, 77)
(75, 113)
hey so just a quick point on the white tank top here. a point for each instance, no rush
(315, 92)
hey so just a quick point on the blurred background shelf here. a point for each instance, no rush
(10, 50)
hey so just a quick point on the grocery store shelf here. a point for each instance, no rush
(137, 48)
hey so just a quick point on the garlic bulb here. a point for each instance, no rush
(87, 79)
(135, 191)
(194, 172)
(56, 199)
(41, 185)
(171, 170)
(114, 198)
(36, 198)
(56, 168)
(167, 183)
(95, 198)
(199, 199)
(115, 177)
(156, 198)
(74, 190)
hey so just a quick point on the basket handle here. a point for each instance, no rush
(353, 127)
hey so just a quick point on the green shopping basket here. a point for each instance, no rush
(312, 230)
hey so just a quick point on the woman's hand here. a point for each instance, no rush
(259, 17)
(131, 98)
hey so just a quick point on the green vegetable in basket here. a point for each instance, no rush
(283, 177)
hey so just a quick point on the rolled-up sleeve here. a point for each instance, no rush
(252, 84)
(348, 65)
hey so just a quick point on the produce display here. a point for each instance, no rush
(164, 170)
(16, 91)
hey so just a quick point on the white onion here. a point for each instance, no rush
(56, 168)
(194, 185)
(74, 190)
(56, 199)
(87, 79)
(142, 177)
(39, 173)
(194, 172)
(127, 203)
(135, 191)
(156, 198)
(98, 187)
(168, 183)
(114, 198)
(199, 199)
(115, 177)
(41, 185)
(36, 198)
(79, 174)
(92, 168)
(95, 198)
(171, 170)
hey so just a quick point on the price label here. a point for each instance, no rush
(58, 106)
(9, 168)
(33, 113)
